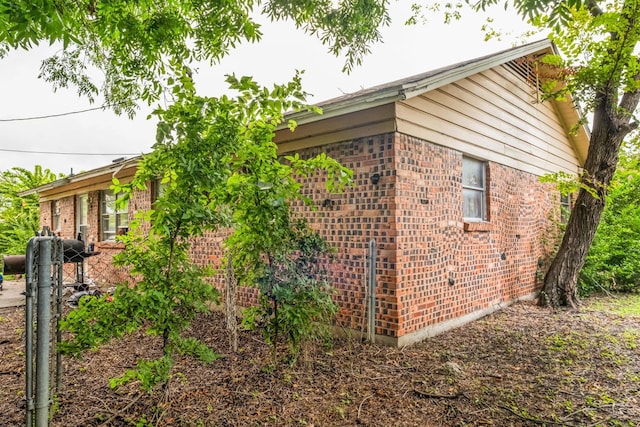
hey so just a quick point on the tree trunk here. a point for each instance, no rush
(609, 129)
(561, 281)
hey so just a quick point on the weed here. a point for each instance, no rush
(142, 422)
(287, 378)
(605, 399)
(568, 405)
(340, 411)
(633, 376)
(617, 359)
(627, 305)
(631, 338)
(341, 408)
(54, 407)
(182, 377)
(557, 342)
(268, 369)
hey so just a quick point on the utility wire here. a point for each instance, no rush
(68, 153)
(49, 116)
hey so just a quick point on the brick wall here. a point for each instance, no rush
(46, 214)
(432, 267)
(350, 220)
(100, 267)
(446, 268)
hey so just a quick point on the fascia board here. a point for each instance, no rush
(474, 67)
(112, 169)
(402, 91)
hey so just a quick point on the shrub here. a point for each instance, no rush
(295, 296)
(613, 262)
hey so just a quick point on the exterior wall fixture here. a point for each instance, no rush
(375, 178)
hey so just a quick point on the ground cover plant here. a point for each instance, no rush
(523, 366)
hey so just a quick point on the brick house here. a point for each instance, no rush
(446, 167)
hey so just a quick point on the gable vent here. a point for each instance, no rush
(527, 70)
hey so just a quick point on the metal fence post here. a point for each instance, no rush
(43, 336)
(29, 300)
(371, 300)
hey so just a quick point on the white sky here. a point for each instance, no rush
(405, 51)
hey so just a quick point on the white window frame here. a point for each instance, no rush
(110, 215)
(565, 207)
(82, 216)
(474, 187)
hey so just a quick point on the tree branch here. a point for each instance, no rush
(534, 420)
(594, 8)
(630, 100)
(437, 396)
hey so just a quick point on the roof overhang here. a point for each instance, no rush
(99, 177)
(413, 86)
(409, 87)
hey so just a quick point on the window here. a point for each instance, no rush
(82, 216)
(55, 216)
(113, 221)
(158, 188)
(474, 189)
(565, 208)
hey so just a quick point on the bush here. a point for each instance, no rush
(613, 263)
(295, 296)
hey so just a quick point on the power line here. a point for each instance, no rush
(49, 116)
(68, 153)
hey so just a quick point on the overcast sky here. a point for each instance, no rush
(94, 139)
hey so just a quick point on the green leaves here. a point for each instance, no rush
(226, 172)
(220, 168)
(139, 46)
(568, 183)
(613, 262)
(295, 296)
(148, 372)
(20, 216)
(171, 292)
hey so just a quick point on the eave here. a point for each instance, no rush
(95, 178)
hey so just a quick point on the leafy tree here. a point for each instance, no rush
(138, 45)
(599, 67)
(209, 151)
(220, 168)
(20, 216)
(614, 258)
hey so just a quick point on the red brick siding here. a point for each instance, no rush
(350, 220)
(431, 266)
(46, 218)
(433, 246)
(208, 251)
(99, 267)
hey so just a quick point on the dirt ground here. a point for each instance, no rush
(524, 366)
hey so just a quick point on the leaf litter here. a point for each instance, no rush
(522, 366)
